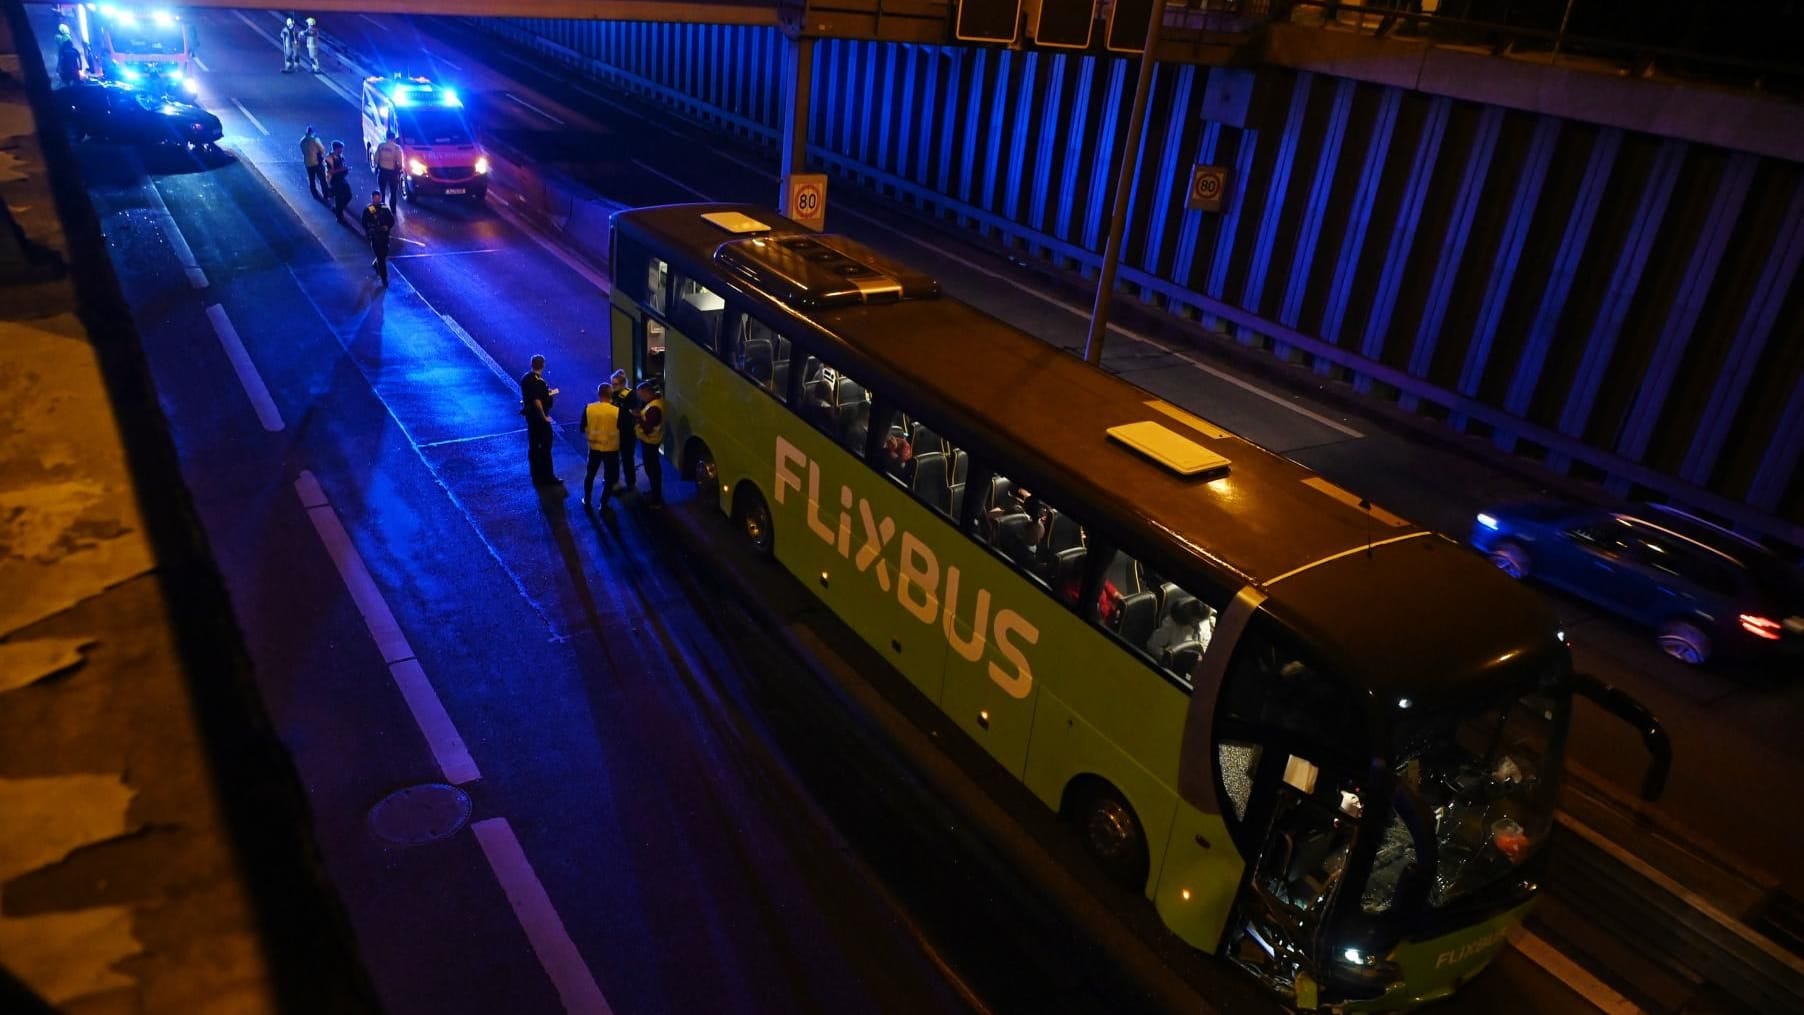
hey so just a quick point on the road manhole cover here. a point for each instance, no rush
(420, 814)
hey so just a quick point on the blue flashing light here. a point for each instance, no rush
(402, 98)
(449, 98)
(130, 74)
(163, 19)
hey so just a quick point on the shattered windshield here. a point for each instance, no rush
(1483, 784)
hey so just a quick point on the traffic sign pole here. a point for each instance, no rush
(1124, 186)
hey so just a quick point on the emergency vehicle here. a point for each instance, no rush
(150, 49)
(440, 153)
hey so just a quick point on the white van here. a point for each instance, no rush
(440, 153)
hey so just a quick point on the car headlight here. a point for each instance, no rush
(191, 86)
(482, 163)
(1487, 521)
(416, 167)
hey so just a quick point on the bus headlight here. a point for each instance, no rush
(482, 164)
(416, 167)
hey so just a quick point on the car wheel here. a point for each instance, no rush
(1685, 641)
(1511, 559)
(1112, 835)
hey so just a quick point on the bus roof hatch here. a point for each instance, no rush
(1169, 448)
(821, 270)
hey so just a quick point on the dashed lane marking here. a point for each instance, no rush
(248, 115)
(660, 174)
(1574, 976)
(518, 101)
(178, 243)
(248, 376)
(442, 739)
(576, 986)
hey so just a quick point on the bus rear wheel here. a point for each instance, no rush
(752, 516)
(1111, 835)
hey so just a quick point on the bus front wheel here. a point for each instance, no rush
(702, 470)
(752, 516)
(1111, 834)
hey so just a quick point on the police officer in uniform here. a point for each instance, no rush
(649, 429)
(622, 397)
(535, 405)
(601, 427)
(338, 175)
(378, 222)
(388, 170)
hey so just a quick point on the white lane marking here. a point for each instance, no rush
(417, 243)
(518, 101)
(471, 344)
(248, 115)
(245, 369)
(324, 79)
(372, 21)
(178, 243)
(442, 739)
(1574, 976)
(669, 178)
(575, 984)
(446, 62)
(545, 243)
(204, 68)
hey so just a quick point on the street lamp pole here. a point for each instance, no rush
(1124, 187)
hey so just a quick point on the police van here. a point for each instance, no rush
(439, 152)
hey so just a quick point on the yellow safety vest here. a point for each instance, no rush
(655, 435)
(601, 425)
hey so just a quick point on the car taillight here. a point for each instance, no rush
(1760, 627)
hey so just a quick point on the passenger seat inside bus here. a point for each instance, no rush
(1139, 616)
(929, 482)
(697, 314)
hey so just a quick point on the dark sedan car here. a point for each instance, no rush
(115, 111)
(1707, 592)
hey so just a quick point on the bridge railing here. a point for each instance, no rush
(1747, 44)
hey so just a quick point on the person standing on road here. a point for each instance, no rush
(601, 427)
(313, 154)
(291, 46)
(388, 170)
(338, 174)
(649, 428)
(621, 394)
(378, 222)
(535, 405)
(311, 35)
(68, 57)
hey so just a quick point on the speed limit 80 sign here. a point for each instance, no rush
(1207, 185)
(807, 204)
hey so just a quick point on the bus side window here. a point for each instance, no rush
(1273, 686)
(835, 404)
(1046, 544)
(761, 354)
(696, 312)
(925, 463)
(657, 280)
(1170, 626)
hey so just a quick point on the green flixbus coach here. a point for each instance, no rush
(1323, 741)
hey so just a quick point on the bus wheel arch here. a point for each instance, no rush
(751, 513)
(1109, 828)
(698, 463)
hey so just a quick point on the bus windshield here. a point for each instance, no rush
(1482, 785)
(433, 126)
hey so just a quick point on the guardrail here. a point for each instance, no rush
(1754, 45)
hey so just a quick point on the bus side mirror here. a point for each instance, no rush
(1620, 704)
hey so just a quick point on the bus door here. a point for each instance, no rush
(1285, 731)
(636, 339)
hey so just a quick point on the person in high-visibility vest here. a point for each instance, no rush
(311, 37)
(313, 155)
(601, 427)
(648, 427)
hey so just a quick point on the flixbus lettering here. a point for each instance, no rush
(927, 591)
(1479, 946)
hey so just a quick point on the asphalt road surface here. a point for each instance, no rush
(668, 812)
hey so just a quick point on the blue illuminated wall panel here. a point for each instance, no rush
(1618, 306)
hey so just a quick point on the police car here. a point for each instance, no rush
(440, 153)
